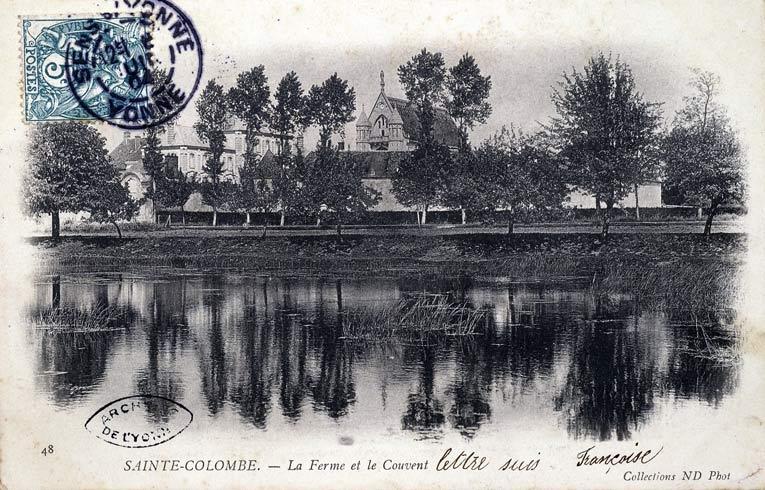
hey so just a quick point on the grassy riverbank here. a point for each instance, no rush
(523, 254)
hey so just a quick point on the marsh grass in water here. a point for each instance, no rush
(414, 317)
(97, 318)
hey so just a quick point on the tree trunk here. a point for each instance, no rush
(510, 225)
(55, 225)
(215, 217)
(248, 219)
(637, 204)
(169, 220)
(606, 219)
(318, 221)
(339, 230)
(119, 232)
(425, 215)
(710, 217)
(183, 216)
(282, 218)
(419, 220)
(56, 300)
(265, 229)
(698, 213)
(597, 202)
(464, 216)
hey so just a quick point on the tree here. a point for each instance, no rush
(423, 80)
(520, 175)
(253, 193)
(467, 91)
(212, 116)
(289, 116)
(336, 186)
(112, 204)
(421, 177)
(68, 166)
(603, 129)
(703, 155)
(249, 100)
(330, 107)
(173, 187)
(288, 185)
(462, 183)
(154, 162)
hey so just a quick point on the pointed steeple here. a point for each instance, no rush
(363, 120)
(382, 81)
(395, 118)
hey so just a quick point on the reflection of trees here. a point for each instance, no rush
(72, 364)
(609, 388)
(472, 386)
(702, 362)
(333, 390)
(424, 413)
(252, 392)
(213, 369)
(292, 366)
(167, 329)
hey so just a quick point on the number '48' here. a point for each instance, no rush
(47, 450)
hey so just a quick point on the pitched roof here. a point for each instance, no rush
(129, 150)
(377, 164)
(444, 129)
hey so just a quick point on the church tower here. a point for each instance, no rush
(363, 128)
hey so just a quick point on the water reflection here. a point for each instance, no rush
(272, 351)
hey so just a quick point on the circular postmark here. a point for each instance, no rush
(139, 421)
(135, 69)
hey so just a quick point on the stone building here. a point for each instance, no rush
(183, 143)
(392, 125)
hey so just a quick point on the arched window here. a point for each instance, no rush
(381, 124)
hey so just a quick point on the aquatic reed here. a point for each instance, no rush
(414, 317)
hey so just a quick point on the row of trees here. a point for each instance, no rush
(605, 139)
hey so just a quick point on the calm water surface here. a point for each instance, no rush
(254, 353)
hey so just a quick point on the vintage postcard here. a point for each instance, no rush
(359, 244)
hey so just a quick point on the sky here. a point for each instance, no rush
(523, 46)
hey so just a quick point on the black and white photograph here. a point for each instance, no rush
(334, 244)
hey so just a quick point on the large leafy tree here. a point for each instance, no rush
(519, 175)
(467, 93)
(462, 183)
(335, 186)
(112, 204)
(423, 80)
(289, 117)
(68, 169)
(289, 113)
(421, 176)
(212, 116)
(604, 128)
(173, 187)
(704, 162)
(249, 100)
(330, 106)
(288, 184)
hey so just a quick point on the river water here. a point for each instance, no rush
(253, 354)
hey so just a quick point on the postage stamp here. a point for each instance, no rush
(134, 68)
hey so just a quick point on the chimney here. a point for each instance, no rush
(171, 133)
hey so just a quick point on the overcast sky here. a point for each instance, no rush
(524, 49)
